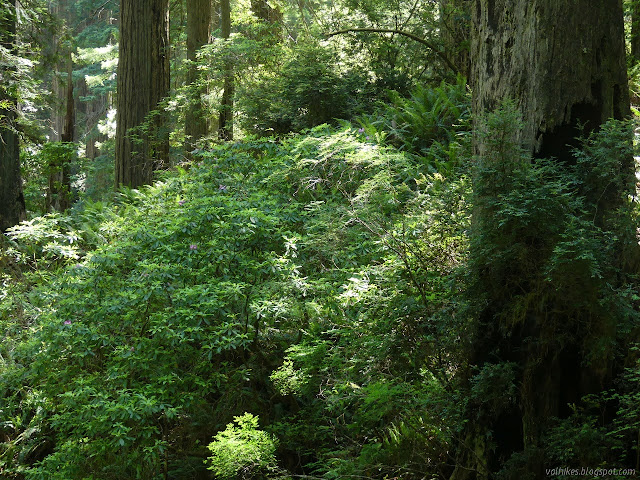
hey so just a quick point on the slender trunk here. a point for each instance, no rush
(455, 32)
(198, 31)
(62, 115)
(59, 183)
(225, 127)
(635, 31)
(12, 207)
(94, 111)
(142, 144)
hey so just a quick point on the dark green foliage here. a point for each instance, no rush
(313, 87)
(547, 260)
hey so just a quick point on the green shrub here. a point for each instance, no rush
(242, 451)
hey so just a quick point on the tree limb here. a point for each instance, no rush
(416, 38)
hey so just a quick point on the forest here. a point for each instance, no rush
(319, 239)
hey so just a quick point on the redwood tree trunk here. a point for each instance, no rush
(560, 74)
(198, 31)
(563, 66)
(143, 81)
(265, 12)
(12, 208)
(59, 182)
(225, 127)
(635, 31)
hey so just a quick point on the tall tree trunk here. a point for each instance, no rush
(265, 12)
(143, 81)
(565, 80)
(635, 31)
(58, 195)
(559, 77)
(12, 207)
(59, 183)
(455, 32)
(94, 110)
(198, 31)
(225, 126)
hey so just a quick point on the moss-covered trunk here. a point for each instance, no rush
(563, 66)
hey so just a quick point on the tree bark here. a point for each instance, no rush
(198, 31)
(560, 75)
(93, 110)
(12, 207)
(565, 79)
(58, 197)
(271, 16)
(59, 183)
(142, 144)
(455, 32)
(635, 31)
(225, 126)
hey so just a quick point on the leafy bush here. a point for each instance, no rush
(428, 116)
(242, 451)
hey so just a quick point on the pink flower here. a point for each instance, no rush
(67, 322)
(181, 202)
(193, 246)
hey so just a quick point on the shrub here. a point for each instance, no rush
(242, 451)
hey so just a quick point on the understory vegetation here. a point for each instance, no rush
(301, 306)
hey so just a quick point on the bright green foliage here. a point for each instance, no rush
(431, 122)
(289, 76)
(303, 280)
(312, 88)
(429, 115)
(320, 281)
(242, 451)
(44, 242)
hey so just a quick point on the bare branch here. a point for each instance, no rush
(410, 35)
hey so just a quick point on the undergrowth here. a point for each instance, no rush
(301, 280)
(306, 306)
